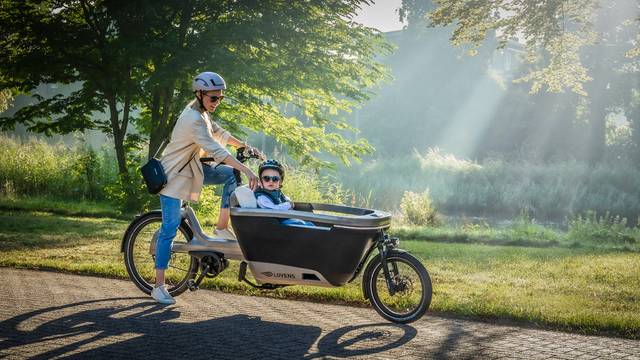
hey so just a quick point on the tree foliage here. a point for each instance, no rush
(139, 58)
(5, 99)
(586, 46)
(555, 32)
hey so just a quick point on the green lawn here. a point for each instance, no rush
(60, 206)
(593, 291)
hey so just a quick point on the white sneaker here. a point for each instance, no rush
(224, 234)
(161, 295)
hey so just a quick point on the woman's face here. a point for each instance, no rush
(210, 104)
(266, 179)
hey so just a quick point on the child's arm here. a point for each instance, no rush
(265, 202)
(289, 201)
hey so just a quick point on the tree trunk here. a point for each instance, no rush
(161, 118)
(118, 136)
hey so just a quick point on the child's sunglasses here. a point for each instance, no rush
(271, 178)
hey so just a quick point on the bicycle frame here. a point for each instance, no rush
(201, 242)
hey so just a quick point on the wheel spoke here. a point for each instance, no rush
(178, 268)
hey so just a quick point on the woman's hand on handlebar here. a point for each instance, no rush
(257, 153)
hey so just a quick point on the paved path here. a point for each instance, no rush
(52, 315)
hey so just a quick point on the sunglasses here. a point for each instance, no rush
(271, 178)
(215, 98)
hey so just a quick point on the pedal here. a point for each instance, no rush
(191, 285)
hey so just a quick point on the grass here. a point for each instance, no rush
(587, 290)
(61, 207)
(517, 234)
(37, 168)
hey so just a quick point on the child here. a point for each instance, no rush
(271, 175)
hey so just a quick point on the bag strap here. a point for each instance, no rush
(164, 141)
(187, 163)
(161, 147)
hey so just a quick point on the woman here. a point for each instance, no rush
(194, 135)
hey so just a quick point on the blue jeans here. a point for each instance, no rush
(170, 207)
(221, 174)
(170, 221)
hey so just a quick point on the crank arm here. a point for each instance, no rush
(196, 284)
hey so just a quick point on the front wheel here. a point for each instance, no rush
(139, 255)
(411, 287)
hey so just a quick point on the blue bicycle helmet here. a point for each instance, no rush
(271, 164)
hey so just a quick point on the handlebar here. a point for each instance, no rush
(242, 154)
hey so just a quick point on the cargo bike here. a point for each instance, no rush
(342, 243)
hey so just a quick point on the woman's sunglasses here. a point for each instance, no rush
(271, 178)
(215, 98)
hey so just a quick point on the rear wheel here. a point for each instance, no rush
(411, 282)
(139, 255)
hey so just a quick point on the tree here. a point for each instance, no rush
(142, 55)
(569, 43)
(71, 42)
(306, 54)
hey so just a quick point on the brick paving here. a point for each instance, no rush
(51, 315)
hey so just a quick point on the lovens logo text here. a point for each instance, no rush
(278, 275)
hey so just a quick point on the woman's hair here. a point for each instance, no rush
(195, 105)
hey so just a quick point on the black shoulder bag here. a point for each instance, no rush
(153, 171)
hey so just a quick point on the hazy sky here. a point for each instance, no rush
(381, 15)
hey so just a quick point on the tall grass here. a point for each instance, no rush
(498, 187)
(36, 168)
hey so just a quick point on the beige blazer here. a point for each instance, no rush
(193, 136)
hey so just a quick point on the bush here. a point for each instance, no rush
(604, 229)
(495, 187)
(525, 229)
(307, 186)
(130, 195)
(417, 209)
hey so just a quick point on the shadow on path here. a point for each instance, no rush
(113, 328)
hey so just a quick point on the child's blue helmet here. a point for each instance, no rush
(271, 164)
